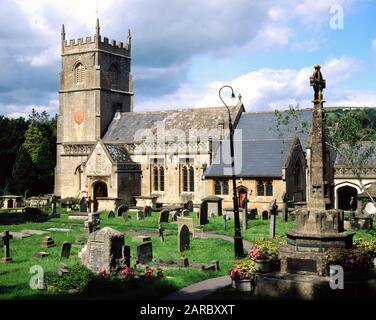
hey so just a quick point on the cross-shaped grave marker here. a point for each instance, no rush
(5, 237)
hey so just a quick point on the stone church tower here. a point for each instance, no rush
(95, 83)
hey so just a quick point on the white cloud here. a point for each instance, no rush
(272, 89)
(373, 45)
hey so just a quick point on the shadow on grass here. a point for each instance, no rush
(100, 288)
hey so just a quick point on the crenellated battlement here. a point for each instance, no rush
(95, 43)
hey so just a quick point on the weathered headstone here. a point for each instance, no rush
(41, 254)
(125, 216)
(62, 269)
(183, 238)
(370, 209)
(186, 213)
(121, 209)
(285, 211)
(83, 205)
(148, 211)
(92, 222)
(54, 201)
(245, 218)
(48, 242)
(144, 252)
(140, 215)
(104, 250)
(5, 237)
(111, 215)
(203, 213)
(265, 215)
(189, 205)
(273, 216)
(253, 214)
(188, 222)
(127, 255)
(65, 250)
(161, 232)
(163, 216)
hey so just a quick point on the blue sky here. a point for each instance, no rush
(183, 52)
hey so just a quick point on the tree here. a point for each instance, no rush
(351, 133)
(350, 142)
(24, 173)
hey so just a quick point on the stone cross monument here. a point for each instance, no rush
(317, 227)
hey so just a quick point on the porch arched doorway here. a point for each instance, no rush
(99, 191)
(344, 195)
(242, 195)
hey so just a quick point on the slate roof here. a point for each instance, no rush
(125, 125)
(264, 151)
(118, 153)
(259, 158)
(262, 126)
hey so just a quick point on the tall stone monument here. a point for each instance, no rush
(317, 227)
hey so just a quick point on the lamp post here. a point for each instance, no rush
(238, 239)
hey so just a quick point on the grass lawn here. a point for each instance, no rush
(15, 276)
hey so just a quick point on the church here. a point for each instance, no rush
(109, 152)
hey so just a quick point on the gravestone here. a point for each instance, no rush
(245, 218)
(186, 213)
(285, 211)
(121, 209)
(41, 254)
(54, 201)
(5, 237)
(83, 207)
(111, 215)
(148, 211)
(104, 250)
(62, 269)
(370, 209)
(253, 214)
(213, 205)
(144, 253)
(225, 221)
(189, 206)
(127, 255)
(163, 216)
(183, 238)
(203, 215)
(161, 232)
(140, 215)
(265, 215)
(273, 215)
(188, 222)
(92, 222)
(175, 216)
(48, 242)
(65, 250)
(125, 216)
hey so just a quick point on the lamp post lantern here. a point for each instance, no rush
(238, 239)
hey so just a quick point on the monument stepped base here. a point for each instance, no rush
(311, 287)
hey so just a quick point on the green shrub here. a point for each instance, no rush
(77, 278)
(69, 202)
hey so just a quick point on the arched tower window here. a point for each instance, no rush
(79, 73)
